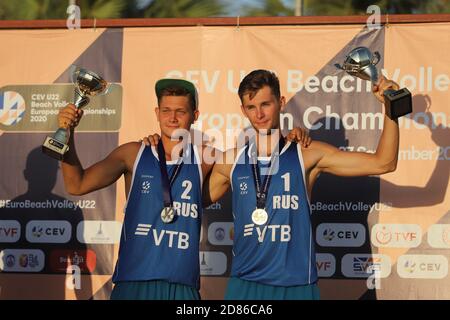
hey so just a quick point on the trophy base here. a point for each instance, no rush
(54, 148)
(398, 103)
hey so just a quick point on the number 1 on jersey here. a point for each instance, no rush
(287, 181)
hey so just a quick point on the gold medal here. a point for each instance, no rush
(167, 214)
(259, 216)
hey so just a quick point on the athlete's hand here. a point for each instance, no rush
(299, 135)
(151, 140)
(69, 116)
(383, 86)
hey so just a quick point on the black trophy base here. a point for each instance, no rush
(398, 103)
(54, 148)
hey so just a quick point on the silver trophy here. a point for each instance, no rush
(87, 83)
(360, 62)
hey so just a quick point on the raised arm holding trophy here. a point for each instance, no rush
(87, 83)
(361, 63)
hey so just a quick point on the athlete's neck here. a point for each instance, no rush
(267, 142)
(172, 148)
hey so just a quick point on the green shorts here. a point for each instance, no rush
(239, 289)
(153, 290)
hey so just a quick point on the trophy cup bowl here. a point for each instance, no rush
(361, 63)
(87, 83)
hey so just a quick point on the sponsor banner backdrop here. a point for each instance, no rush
(385, 237)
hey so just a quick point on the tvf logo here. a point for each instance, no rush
(386, 236)
(396, 235)
(274, 232)
(9, 232)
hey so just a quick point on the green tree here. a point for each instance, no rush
(347, 7)
(32, 9)
(183, 8)
(407, 6)
(269, 8)
(438, 6)
(57, 9)
(102, 9)
(329, 8)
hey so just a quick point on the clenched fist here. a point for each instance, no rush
(69, 116)
(383, 86)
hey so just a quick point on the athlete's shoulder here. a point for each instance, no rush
(315, 144)
(318, 147)
(132, 147)
(315, 152)
(230, 155)
(128, 152)
(213, 155)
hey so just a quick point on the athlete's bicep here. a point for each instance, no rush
(108, 170)
(216, 184)
(345, 163)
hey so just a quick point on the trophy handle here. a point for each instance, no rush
(73, 72)
(376, 58)
(337, 65)
(107, 89)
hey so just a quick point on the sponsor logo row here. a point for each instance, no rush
(352, 265)
(215, 263)
(60, 231)
(33, 260)
(354, 235)
(379, 265)
(222, 233)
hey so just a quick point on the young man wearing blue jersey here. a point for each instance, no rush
(273, 251)
(159, 246)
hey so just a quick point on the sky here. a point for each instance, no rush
(234, 6)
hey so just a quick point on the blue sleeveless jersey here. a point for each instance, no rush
(280, 252)
(149, 248)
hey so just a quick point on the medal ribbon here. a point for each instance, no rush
(166, 183)
(261, 194)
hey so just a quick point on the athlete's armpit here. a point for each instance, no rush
(218, 180)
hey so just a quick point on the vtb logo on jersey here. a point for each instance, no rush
(169, 238)
(273, 232)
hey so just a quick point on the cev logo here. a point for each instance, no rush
(145, 186)
(48, 231)
(340, 234)
(12, 108)
(409, 266)
(422, 266)
(328, 234)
